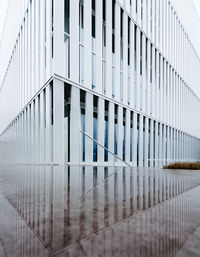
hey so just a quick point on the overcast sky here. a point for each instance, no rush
(3, 9)
(197, 3)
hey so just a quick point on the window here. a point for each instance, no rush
(124, 134)
(135, 48)
(113, 27)
(66, 36)
(136, 5)
(113, 14)
(144, 152)
(104, 10)
(104, 30)
(149, 142)
(67, 16)
(93, 26)
(95, 127)
(82, 105)
(67, 94)
(131, 137)
(51, 102)
(106, 131)
(81, 21)
(121, 41)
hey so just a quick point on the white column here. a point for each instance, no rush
(143, 82)
(48, 125)
(117, 53)
(156, 144)
(58, 121)
(141, 141)
(58, 60)
(75, 125)
(138, 69)
(111, 121)
(146, 141)
(48, 40)
(120, 132)
(99, 46)
(89, 128)
(134, 139)
(160, 162)
(74, 37)
(108, 48)
(101, 125)
(164, 145)
(127, 151)
(42, 131)
(125, 56)
(151, 143)
(87, 45)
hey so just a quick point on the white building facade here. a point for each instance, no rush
(124, 72)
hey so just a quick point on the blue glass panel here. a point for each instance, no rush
(95, 128)
(106, 141)
(83, 136)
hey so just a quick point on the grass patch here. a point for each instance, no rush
(184, 166)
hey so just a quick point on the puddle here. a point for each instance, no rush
(97, 211)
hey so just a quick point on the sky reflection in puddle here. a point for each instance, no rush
(96, 211)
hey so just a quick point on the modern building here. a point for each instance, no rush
(83, 81)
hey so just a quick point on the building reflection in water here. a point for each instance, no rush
(95, 211)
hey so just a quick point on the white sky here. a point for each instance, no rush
(197, 4)
(3, 10)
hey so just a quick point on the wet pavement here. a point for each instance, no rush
(98, 211)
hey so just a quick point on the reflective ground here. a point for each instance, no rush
(98, 211)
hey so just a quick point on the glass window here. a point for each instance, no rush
(67, 16)
(124, 134)
(104, 10)
(131, 138)
(93, 26)
(67, 94)
(104, 30)
(51, 102)
(81, 21)
(106, 131)
(95, 127)
(135, 49)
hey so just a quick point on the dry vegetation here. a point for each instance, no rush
(184, 166)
